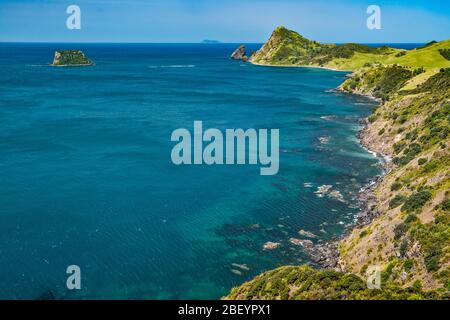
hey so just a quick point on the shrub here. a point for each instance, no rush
(432, 257)
(445, 53)
(402, 119)
(418, 71)
(372, 118)
(363, 234)
(417, 286)
(399, 146)
(412, 135)
(396, 186)
(416, 201)
(411, 218)
(403, 248)
(400, 230)
(445, 205)
(430, 166)
(409, 154)
(396, 201)
(408, 264)
(422, 161)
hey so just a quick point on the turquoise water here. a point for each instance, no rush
(87, 179)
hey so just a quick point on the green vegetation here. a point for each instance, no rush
(306, 283)
(412, 126)
(437, 82)
(397, 201)
(71, 58)
(416, 201)
(408, 264)
(445, 53)
(422, 161)
(408, 154)
(288, 48)
(396, 186)
(433, 237)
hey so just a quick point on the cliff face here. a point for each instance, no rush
(71, 58)
(409, 236)
(239, 54)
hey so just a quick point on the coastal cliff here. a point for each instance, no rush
(68, 58)
(406, 225)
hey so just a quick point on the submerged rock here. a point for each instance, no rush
(271, 245)
(236, 272)
(241, 266)
(307, 234)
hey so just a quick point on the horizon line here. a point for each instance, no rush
(201, 42)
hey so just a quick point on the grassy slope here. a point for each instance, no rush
(306, 283)
(428, 58)
(410, 239)
(288, 48)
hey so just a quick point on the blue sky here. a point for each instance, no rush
(224, 20)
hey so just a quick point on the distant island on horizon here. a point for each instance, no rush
(210, 41)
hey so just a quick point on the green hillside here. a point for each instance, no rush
(408, 237)
(306, 283)
(288, 48)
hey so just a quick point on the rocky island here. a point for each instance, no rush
(240, 54)
(404, 225)
(71, 58)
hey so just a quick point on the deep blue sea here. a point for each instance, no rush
(86, 176)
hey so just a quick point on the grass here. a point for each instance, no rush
(306, 283)
(414, 124)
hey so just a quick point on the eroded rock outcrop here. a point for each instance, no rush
(239, 54)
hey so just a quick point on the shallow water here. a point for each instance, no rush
(87, 179)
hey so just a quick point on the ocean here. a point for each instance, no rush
(86, 176)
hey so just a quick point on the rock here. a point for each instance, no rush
(324, 140)
(335, 194)
(71, 58)
(403, 276)
(241, 266)
(239, 54)
(322, 190)
(236, 272)
(271, 245)
(296, 242)
(307, 234)
(307, 244)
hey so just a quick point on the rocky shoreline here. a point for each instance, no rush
(326, 254)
